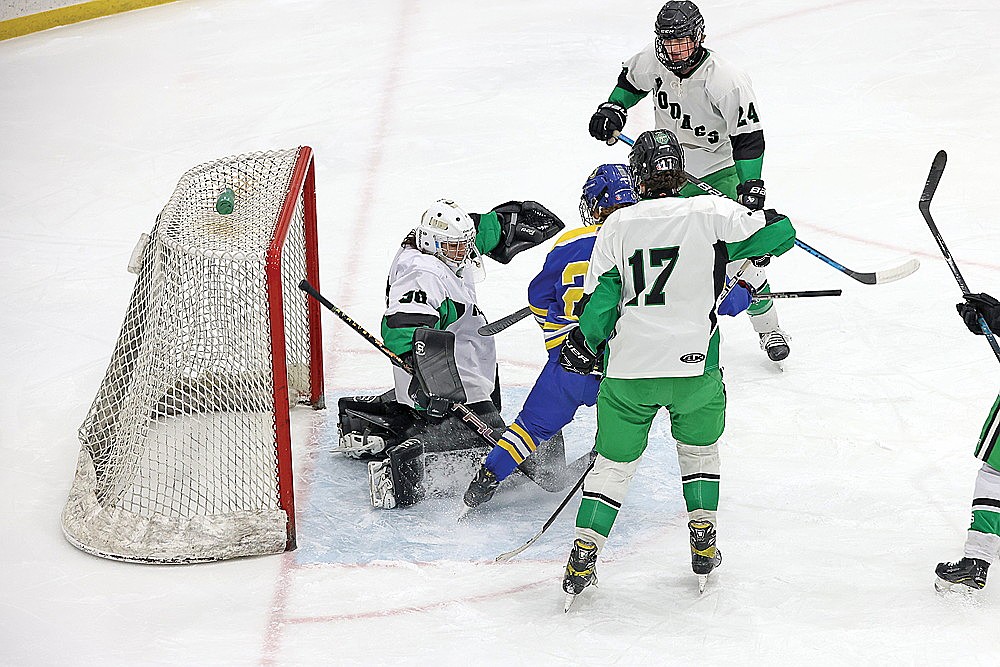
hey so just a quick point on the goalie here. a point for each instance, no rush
(412, 444)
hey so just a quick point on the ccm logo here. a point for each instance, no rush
(693, 358)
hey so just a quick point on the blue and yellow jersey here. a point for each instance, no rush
(554, 292)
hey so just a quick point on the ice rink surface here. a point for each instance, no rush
(846, 476)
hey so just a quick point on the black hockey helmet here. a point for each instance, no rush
(678, 19)
(657, 163)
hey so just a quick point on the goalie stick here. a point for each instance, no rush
(930, 187)
(469, 418)
(866, 277)
(493, 328)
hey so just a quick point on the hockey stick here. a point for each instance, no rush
(866, 277)
(493, 328)
(507, 555)
(930, 187)
(797, 295)
(469, 418)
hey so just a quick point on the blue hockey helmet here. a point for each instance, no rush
(608, 188)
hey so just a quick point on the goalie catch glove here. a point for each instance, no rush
(523, 225)
(751, 194)
(976, 305)
(575, 356)
(607, 121)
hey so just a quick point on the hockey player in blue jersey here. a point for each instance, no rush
(552, 296)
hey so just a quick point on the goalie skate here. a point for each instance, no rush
(964, 576)
(360, 445)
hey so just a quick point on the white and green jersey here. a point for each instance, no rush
(712, 111)
(424, 292)
(655, 274)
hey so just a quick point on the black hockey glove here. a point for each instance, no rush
(976, 305)
(751, 194)
(523, 225)
(575, 356)
(761, 262)
(608, 119)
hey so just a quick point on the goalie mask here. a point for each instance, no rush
(608, 188)
(448, 233)
(680, 30)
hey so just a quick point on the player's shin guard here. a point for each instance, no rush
(397, 481)
(603, 492)
(983, 540)
(700, 474)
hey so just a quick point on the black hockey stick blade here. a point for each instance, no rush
(930, 187)
(494, 328)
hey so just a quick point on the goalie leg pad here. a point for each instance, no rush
(397, 480)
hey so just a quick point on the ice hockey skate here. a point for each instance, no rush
(481, 488)
(775, 343)
(968, 574)
(581, 570)
(705, 556)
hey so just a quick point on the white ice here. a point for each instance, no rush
(847, 476)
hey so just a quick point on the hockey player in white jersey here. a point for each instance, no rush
(709, 105)
(431, 290)
(982, 541)
(650, 296)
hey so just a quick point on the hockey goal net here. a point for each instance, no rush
(186, 450)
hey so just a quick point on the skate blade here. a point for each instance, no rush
(702, 581)
(570, 599)
(467, 513)
(945, 587)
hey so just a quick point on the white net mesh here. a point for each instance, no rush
(180, 460)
